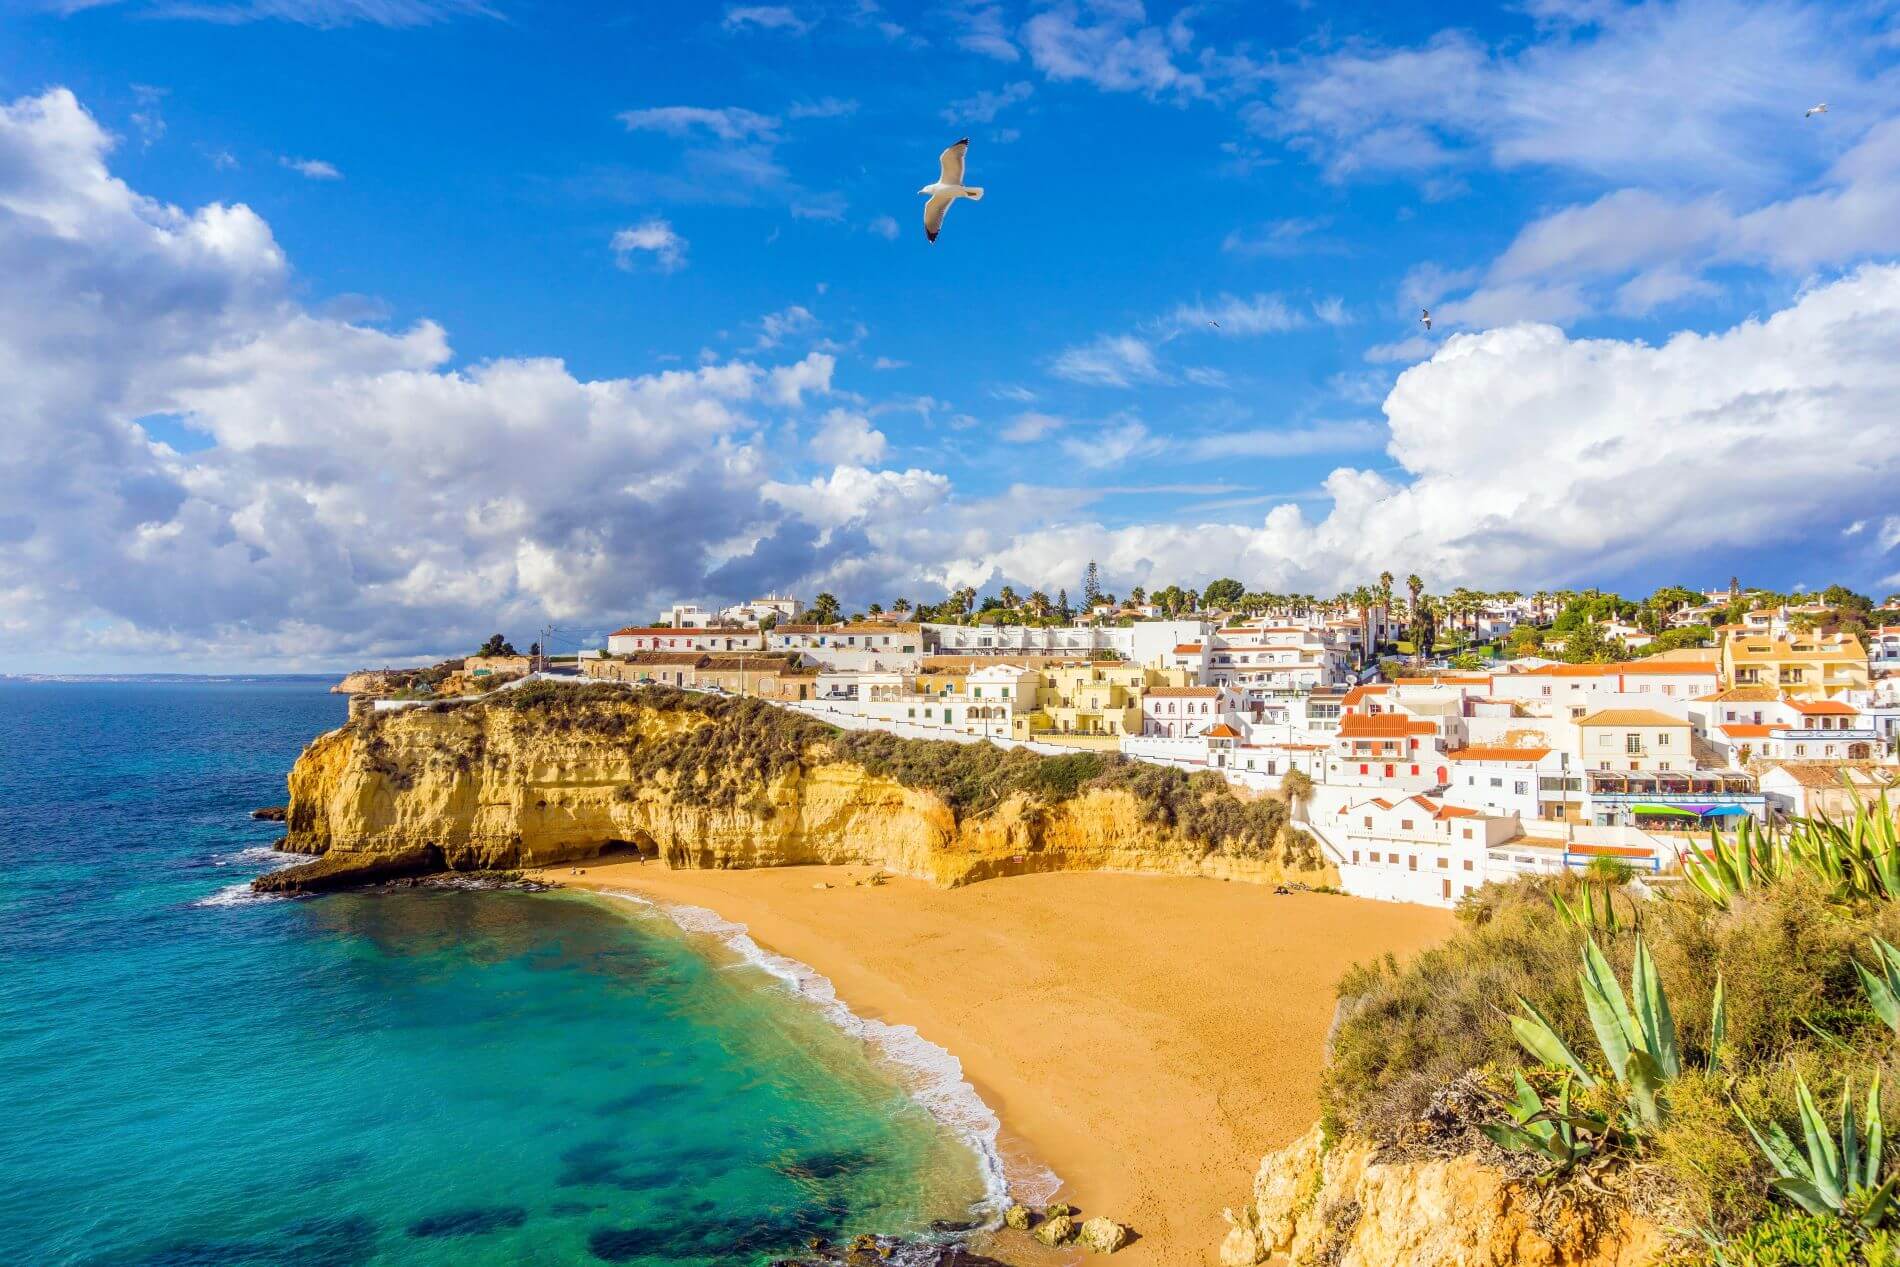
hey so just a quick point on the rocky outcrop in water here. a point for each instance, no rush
(538, 776)
(1341, 1204)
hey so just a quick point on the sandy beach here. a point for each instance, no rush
(1147, 1038)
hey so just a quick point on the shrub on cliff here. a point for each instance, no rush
(1795, 1012)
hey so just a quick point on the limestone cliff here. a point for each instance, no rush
(549, 774)
(1342, 1205)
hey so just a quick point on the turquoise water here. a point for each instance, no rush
(194, 1076)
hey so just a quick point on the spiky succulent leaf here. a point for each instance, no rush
(1540, 1038)
(1655, 1025)
(1824, 1158)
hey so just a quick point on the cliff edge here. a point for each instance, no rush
(557, 772)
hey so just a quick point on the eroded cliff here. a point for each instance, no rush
(554, 773)
(1343, 1205)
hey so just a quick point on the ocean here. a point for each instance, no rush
(196, 1076)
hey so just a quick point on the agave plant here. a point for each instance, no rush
(1882, 982)
(1859, 857)
(1831, 1175)
(1552, 1133)
(1754, 859)
(1595, 909)
(1637, 1035)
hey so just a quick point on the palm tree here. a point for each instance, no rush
(1415, 587)
(1008, 596)
(1385, 603)
(901, 606)
(1138, 596)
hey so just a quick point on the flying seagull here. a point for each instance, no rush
(1814, 110)
(947, 188)
(1214, 323)
(1425, 317)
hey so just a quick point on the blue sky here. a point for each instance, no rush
(352, 327)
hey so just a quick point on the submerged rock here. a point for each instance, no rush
(271, 813)
(1103, 1235)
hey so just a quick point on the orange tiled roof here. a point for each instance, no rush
(1498, 752)
(1183, 692)
(1823, 708)
(1745, 730)
(1630, 717)
(1383, 726)
(1188, 648)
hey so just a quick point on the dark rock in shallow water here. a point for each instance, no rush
(335, 1241)
(271, 813)
(474, 1221)
(349, 870)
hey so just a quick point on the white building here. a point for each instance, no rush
(782, 608)
(1414, 849)
(669, 638)
(1500, 781)
(1574, 690)
(866, 647)
(1794, 730)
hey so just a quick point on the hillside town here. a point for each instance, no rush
(1428, 743)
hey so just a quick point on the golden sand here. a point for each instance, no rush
(1147, 1038)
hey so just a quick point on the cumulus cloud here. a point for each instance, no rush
(885, 227)
(210, 470)
(654, 238)
(728, 123)
(845, 438)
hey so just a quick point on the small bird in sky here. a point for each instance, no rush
(947, 188)
(1214, 323)
(1814, 110)
(1425, 317)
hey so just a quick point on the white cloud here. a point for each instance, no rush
(888, 363)
(984, 106)
(765, 17)
(845, 438)
(655, 237)
(1028, 427)
(1112, 445)
(885, 227)
(823, 108)
(312, 168)
(317, 13)
(1111, 360)
(1688, 91)
(1232, 316)
(728, 123)
(984, 31)
(1278, 239)
(1111, 48)
(786, 323)
(1890, 532)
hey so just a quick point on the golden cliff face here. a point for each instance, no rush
(481, 786)
(1339, 1204)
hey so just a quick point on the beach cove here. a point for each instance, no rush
(1146, 1038)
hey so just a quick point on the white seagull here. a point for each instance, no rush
(1814, 110)
(1425, 317)
(947, 188)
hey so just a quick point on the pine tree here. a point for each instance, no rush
(1062, 604)
(1091, 584)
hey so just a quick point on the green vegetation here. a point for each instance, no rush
(1693, 1093)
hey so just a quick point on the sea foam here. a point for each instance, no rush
(932, 1075)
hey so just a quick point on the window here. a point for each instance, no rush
(1368, 822)
(1467, 833)
(1662, 739)
(1443, 863)
(1411, 862)
(1405, 824)
(1467, 867)
(1497, 782)
(1633, 743)
(1355, 855)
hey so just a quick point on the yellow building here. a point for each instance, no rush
(1100, 699)
(1804, 666)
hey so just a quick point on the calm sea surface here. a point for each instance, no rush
(189, 1075)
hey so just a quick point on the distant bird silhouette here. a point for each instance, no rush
(947, 188)
(1814, 110)
(1425, 317)
(1214, 323)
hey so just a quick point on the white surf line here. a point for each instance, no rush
(937, 1081)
